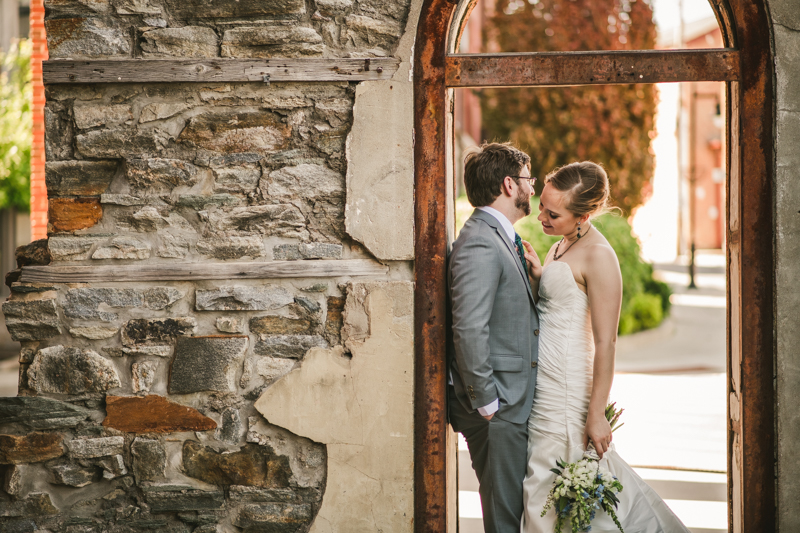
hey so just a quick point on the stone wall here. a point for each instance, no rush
(203, 406)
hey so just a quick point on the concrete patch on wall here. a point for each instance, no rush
(380, 174)
(786, 35)
(361, 408)
(787, 63)
(785, 13)
(380, 154)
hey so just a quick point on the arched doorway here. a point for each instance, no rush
(745, 66)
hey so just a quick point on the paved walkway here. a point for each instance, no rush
(9, 376)
(9, 368)
(672, 383)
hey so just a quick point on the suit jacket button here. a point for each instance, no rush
(536, 332)
(473, 397)
(534, 364)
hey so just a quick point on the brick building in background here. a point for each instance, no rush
(702, 149)
(38, 156)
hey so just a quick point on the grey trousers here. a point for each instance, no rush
(499, 453)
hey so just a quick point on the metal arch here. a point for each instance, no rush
(751, 252)
(460, 16)
(746, 28)
(430, 294)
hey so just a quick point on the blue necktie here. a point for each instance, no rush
(521, 252)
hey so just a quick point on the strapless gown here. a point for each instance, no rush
(558, 415)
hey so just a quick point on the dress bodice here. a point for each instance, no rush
(566, 353)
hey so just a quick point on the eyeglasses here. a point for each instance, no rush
(530, 179)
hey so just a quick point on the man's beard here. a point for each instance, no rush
(523, 203)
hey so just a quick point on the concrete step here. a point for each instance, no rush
(698, 498)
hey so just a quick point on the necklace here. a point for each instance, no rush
(557, 256)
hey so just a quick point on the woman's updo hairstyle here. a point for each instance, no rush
(585, 185)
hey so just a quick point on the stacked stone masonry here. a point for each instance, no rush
(136, 400)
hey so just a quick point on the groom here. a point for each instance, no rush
(494, 351)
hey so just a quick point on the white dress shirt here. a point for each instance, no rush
(501, 218)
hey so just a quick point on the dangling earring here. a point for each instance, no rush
(579, 230)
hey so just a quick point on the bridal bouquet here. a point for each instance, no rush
(584, 487)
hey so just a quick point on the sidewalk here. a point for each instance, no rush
(671, 382)
(9, 367)
(8, 348)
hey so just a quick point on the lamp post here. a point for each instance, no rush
(692, 182)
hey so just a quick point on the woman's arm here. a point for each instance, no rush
(604, 288)
(534, 268)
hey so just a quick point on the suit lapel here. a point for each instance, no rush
(512, 248)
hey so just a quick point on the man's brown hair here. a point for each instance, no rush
(485, 168)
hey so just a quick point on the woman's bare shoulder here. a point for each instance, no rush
(601, 256)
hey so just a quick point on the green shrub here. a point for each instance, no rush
(645, 301)
(637, 277)
(653, 286)
(15, 127)
(642, 312)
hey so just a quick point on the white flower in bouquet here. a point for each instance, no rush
(584, 487)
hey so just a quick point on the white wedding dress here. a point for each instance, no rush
(558, 416)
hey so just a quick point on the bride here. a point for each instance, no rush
(580, 292)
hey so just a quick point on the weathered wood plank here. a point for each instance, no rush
(202, 271)
(219, 70)
(588, 68)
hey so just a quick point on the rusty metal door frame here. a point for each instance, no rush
(746, 65)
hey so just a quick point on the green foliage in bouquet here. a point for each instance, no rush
(15, 127)
(584, 487)
(579, 491)
(612, 415)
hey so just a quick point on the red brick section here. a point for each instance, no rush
(153, 414)
(38, 187)
(70, 214)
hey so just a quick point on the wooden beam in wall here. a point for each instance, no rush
(591, 68)
(219, 70)
(202, 271)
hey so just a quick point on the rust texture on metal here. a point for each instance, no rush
(462, 23)
(757, 275)
(219, 70)
(430, 415)
(588, 68)
(733, 303)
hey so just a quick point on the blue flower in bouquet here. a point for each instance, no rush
(582, 488)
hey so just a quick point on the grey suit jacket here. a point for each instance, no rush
(493, 350)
